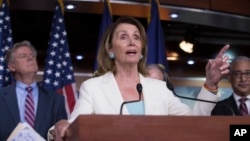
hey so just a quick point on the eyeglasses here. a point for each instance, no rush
(238, 74)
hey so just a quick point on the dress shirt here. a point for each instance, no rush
(21, 96)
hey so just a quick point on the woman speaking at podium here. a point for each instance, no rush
(122, 67)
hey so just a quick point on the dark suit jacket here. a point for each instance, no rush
(50, 109)
(226, 107)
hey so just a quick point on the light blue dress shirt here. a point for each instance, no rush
(21, 96)
(136, 108)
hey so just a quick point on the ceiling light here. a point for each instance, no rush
(70, 6)
(190, 62)
(190, 38)
(186, 46)
(174, 15)
(79, 57)
(173, 56)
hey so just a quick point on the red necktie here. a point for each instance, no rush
(29, 115)
(243, 106)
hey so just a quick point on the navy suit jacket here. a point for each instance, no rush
(226, 107)
(50, 109)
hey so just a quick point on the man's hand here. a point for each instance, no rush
(60, 129)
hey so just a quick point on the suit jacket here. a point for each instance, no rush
(227, 106)
(51, 108)
(101, 95)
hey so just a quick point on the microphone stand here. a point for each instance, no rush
(171, 87)
(222, 106)
(139, 90)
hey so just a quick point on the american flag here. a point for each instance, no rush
(58, 73)
(5, 43)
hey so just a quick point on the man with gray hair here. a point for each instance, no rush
(239, 102)
(25, 100)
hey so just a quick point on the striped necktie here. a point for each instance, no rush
(243, 106)
(29, 107)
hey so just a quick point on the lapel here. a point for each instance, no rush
(154, 99)
(233, 104)
(109, 88)
(11, 102)
(147, 92)
(41, 108)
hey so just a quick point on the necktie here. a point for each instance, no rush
(243, 106)
(29, 107)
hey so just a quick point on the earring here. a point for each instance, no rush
(141, 56)
(111, 55)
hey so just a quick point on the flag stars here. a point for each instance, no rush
(59, 65)
(9, 39)
(6, 42)
(57, 74)
(54, 44)
(7, 18)
(58, 28)
(49, 71)
(6, 48)
(47, 81)
(52, 53)
(60, 20)
(56, 36)
(64, 33)
(67, 54)
(2, 59)
(62, 42)
(7, 78)
(60, 74)
(51, 62)
(60, 57)
(55, 83)
(69, 77)
(64, 63)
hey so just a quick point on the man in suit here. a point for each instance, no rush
(239, 78)
(47, 106)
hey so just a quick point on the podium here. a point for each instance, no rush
(152, 128)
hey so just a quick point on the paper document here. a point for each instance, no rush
(24, 132)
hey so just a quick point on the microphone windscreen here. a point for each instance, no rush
(139, 88)
(170, 85)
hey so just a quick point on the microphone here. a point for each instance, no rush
(171, 87)
(139, 90)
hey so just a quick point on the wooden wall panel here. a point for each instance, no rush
(200, 4)
(241, 7)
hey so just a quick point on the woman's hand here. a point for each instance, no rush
(217, 68)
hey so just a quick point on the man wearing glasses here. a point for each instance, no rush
(238, 103)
